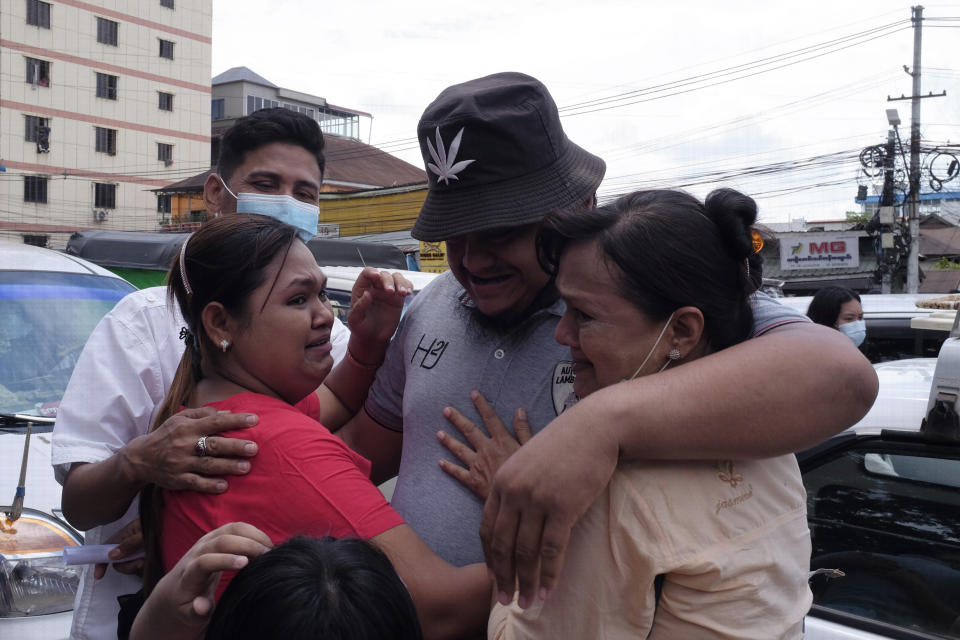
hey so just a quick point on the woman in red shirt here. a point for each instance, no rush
(258, 336)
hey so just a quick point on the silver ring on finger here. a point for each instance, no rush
(201, 447)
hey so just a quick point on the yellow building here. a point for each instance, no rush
(376, 211)
(372, 210)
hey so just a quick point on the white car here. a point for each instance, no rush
(340, 283)
(49, 304)
(883, 503)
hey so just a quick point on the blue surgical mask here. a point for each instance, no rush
(302, 215)
(856, 331)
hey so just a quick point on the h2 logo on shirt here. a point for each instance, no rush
(429, 353)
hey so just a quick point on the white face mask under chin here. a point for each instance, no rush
(652, 350)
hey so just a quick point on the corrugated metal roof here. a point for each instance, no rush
(940, 241)
(401, 239)
(940, 281)
(349, 160)
(193, 184)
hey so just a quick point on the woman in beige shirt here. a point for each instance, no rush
(672, 549)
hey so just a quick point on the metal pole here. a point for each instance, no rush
(886, 200)
(913, 259)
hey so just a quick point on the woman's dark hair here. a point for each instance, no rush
(317, 589)
(225, 261)
(671, 251)
(825, 307)
(264, 127)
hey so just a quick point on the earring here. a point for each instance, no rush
(674, 354)
(224, 345)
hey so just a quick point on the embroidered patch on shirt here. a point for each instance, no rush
(727, 474)
(562, 384)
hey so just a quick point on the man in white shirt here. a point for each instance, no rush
(104, 451)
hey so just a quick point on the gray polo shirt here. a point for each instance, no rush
(439, 355)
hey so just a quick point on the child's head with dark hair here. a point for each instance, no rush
(268, 126)
(317, 589)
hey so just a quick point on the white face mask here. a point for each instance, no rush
(652, 349)
(302, 215)
(856, 331)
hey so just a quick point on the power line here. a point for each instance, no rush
(722, 72)
(610, 105)
(741, 122)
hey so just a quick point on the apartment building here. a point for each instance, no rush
(239, 91)
(101, 101)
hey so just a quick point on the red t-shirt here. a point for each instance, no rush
(304, 481)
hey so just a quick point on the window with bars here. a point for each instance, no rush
(107, 31)
(165, 153)
(33, 125)
(36, 240)
(38, 72)
(104, 196)
(164, 203)
(166, 49)
(106, 140)
(38, 13)
(166, 101)
(106, 86)
(35, 189)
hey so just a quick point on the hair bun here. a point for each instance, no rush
(733, 213)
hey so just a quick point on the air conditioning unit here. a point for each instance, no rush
(167, 162)
(99, 215)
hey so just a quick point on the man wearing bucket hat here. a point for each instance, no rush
(498, 161)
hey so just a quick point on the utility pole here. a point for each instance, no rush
(913, 200)
(913, 258)
(886, 201)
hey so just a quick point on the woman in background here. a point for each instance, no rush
(840, 308)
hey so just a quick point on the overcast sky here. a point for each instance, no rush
(391, 58)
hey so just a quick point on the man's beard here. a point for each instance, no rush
(508, 320)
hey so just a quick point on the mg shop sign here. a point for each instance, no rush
(819, 251)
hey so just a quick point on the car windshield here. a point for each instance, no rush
(45, 319)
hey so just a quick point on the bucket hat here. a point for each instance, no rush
(496, 156)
